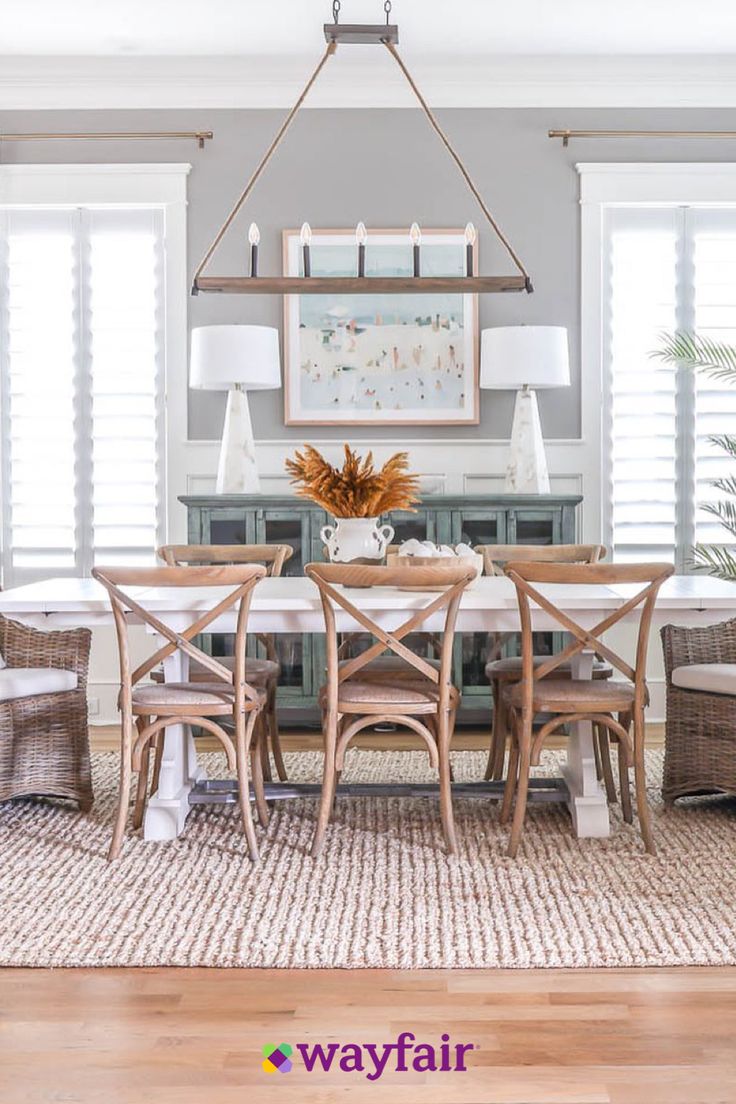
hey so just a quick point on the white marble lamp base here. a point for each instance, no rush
(237, 472)
(527, 467)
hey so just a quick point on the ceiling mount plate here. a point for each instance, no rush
(376, 33)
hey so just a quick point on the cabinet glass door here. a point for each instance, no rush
(534, 527)
(223, 526)
(473, 650)
(408, 526)
(293, 649)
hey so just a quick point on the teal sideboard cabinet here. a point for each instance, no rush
(446, 519)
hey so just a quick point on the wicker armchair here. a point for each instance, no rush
(44, 738)
(700, 735)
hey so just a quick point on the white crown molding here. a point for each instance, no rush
(64, 83)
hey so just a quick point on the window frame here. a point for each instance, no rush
(604, 185)
(162, 186)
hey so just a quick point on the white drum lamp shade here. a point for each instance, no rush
(236, 359)
(520, 358)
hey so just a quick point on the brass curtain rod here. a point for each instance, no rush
(566, 135)
(198, 136)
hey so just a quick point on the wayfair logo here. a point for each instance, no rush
(372, 1059)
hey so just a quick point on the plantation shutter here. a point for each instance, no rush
(81, 388)
(665, 269)
(126, 382)
(642, 255)
(713, 235)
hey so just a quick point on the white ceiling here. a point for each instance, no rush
(428, 27)
(257, 53)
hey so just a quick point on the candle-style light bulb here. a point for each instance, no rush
(361, 237)
(306, 240)
(470, 235)
(415, 237)
(254, 236)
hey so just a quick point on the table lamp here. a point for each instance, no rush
(236, 359)
(521, 358)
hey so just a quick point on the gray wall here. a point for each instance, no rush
(387, 168)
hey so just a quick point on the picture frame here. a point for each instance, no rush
(380, 360)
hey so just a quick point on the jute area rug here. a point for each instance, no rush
(383, 893)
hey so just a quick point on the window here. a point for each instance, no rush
(662, 266)
(83, 357)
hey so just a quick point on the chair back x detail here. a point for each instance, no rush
(241, 579)
(453, 581)
(524, 575)
(271, 556)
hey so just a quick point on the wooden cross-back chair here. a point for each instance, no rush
(260, 672)
(571, 700)
(496, 556)
(147, 710)
(502, 670)
(426, 703)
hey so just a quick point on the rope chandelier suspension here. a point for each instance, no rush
(386, 35)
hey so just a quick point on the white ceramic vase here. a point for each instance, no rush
(356, 539)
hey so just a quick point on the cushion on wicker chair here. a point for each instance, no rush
(30, 682)
(2, 661)
(709, 678)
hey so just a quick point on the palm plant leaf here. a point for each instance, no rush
(725, 512)
(717, 560)
(724, 441)
(727, 485)
(715, 358)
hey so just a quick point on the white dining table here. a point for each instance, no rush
(292, 605)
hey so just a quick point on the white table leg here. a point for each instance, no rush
(168, 808)
(588, 804)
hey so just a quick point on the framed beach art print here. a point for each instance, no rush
(403, 359)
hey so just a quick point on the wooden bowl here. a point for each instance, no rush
(393, 559)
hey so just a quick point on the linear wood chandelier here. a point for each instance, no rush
(386, 35)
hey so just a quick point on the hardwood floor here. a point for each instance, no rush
(196, 1036)
(107, 738)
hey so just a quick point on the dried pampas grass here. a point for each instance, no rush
(356, 489)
